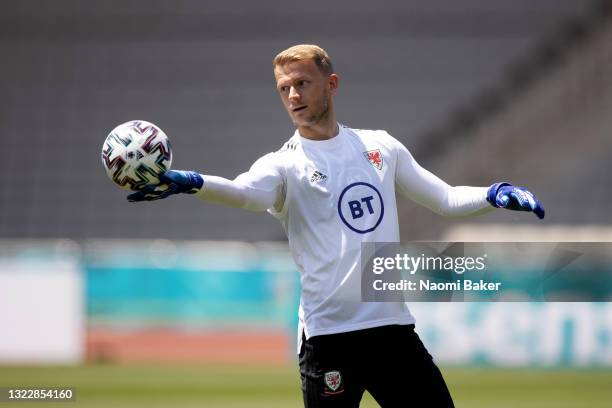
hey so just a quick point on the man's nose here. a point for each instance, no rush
(293, 94)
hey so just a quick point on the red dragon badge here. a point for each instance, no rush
(374, 157)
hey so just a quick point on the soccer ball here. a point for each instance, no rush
(135, 154)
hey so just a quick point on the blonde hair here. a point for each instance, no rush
(303, 52)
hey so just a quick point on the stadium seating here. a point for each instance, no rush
(202, 72)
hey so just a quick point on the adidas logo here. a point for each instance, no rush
(317, 176)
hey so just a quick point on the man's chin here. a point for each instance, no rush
(310, 121)
(301, 123)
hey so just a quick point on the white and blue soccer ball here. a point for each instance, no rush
(135, 154)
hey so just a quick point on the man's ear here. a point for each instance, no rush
(333, 82)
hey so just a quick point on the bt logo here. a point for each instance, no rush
(361, 207)
(355, 206)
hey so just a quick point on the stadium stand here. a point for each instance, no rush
(72, 71)
(552, 135)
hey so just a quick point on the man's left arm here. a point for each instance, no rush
(420, 185)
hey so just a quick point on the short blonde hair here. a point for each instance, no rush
(303, 52)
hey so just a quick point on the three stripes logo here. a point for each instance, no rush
(317, 176)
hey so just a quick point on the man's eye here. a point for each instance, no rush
(284, 88)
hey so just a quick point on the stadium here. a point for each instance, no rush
(183, 303)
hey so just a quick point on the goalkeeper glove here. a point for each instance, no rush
(176, 182)
(505, 195)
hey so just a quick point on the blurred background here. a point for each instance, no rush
(179, 302)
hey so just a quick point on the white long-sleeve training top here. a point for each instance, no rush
(331, 196)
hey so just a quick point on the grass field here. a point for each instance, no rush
(274, 387)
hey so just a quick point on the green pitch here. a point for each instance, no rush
(273, 387)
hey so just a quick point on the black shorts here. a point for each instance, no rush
(390, 362)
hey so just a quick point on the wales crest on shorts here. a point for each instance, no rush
(333, 381)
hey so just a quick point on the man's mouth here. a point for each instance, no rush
(299, 108)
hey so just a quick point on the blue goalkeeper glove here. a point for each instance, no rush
(505, 195)
(174, 181)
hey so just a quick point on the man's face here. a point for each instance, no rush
(305, 91)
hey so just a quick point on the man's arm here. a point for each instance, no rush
(241, 193)
(418, 184)
(261, 188)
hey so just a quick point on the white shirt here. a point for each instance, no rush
(330, 196)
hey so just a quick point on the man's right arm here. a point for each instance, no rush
(260, 188)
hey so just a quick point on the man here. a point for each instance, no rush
(333, 188)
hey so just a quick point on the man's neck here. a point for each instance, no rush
(320, 131)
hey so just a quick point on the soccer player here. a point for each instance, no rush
(332, 188)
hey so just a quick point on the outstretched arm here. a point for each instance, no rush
(423, 187)
(237, 193)
(261, 188)
(418, 184)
